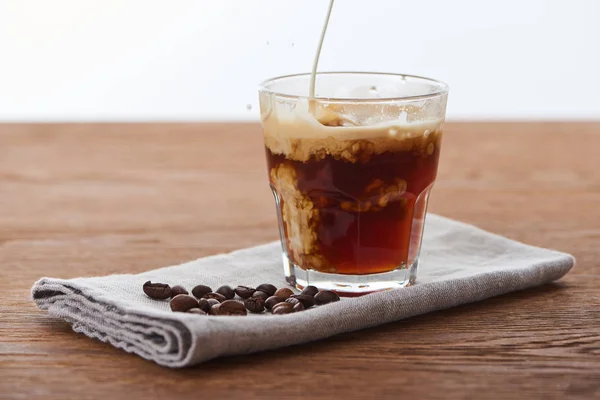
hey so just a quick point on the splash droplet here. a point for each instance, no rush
(249, 107)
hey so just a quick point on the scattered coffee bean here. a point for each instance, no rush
(212, 302)
(226, 291)
(200, 290)
(244, 291)
(272, 301)
(216, 296)
(221, 302)
(326, 296)
(232, 307)
(293, 301)
(255, 304)
(183, 303)
(283, 308)
(178, 289)
(260, 294)
(284, 293)
(310, 291)
(158, 291)
(204, 305)
(214, 309)
(267, 288)
(283, 303)
(306, 300)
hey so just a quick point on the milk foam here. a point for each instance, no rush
(299, 136)
(300, 123)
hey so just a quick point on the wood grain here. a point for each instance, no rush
(95, 199)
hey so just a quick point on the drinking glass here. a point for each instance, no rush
(351, 171)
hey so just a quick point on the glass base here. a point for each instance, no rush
(349, 285)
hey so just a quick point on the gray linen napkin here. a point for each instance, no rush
(459, 264)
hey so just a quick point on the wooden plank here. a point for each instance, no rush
(95, 199)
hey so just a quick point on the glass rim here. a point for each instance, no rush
(443, 87)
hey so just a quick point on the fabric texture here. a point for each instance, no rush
(459, 264)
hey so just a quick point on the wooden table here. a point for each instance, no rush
(96, 199)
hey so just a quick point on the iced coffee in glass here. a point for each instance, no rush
(351, 170)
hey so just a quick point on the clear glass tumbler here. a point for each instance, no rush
(351, 171)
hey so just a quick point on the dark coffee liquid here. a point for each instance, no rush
(354, 217)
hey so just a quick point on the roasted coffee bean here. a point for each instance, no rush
(282, 304)
(204, 305)
(255, 304)
(293, 301)
(200, 290)
(326, 296)
(310, 291)
(158, 291)
(216, 296)
(177, 289)
(278, 304)
(306, 300)
(283, 308)
(226, 291)
(214, 309)
(272, 301)
(183, 303)
(284, 293)
(212, 302)
(244, 291)
(267, 288)
(196, 311)
(232, 307)
(299, 307)
(260, 294)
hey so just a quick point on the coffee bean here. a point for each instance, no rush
(310, 291)
(298, 307)
(293, 301)
(326, 296)
(204, 305)
(226, 291)
(260, 294)
(244, 291)
(272, 301)
(267, 288)
(284, 293)
(255, 304)
(158, 291)
(283, 308)
(212, 302)
(196, 311)
(214, 309)
(177, 289)
(282, 304)
(183, 303)
(232, 307)
(216, 296)
(306, 300)
(200, 290)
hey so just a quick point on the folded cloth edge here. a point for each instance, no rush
(47, 292)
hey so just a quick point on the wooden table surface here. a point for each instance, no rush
(96, 199)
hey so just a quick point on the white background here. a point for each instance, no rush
(202, 59)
